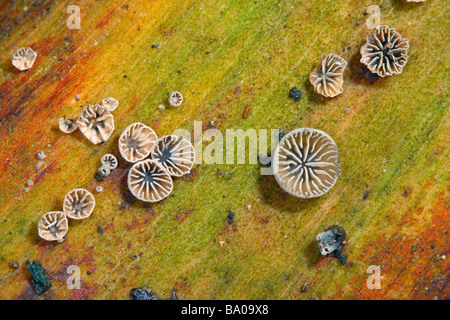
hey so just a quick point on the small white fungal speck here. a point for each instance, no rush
(347, 110)
(161, 107)
(30, 182)
(436, 177)
(41, 155)
(249, 207)
(99, 189)
(26, 189)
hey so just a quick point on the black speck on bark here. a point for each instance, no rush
(174, 295)
(366, 195)
(295, 94)
(39, 279)
(230, 217)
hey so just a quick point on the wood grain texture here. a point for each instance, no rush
(228, 58)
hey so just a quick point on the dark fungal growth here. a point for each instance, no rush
(143, 293)
(174, 295)
(331, 241)
(230, 217)
(295, 94)
(39, 279)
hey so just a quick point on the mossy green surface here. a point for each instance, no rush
(223, 56)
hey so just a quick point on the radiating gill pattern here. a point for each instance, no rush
(96, 123)
(306, 163)
(149, 181)
(175, 154)
(78, 204)
(136, 142)
(53, 226)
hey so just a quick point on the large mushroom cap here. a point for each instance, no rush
(175, 154)
(23, 58)
(136, 142)
(327, 78)
(306, 163)
(96, 123)
(78, 204)
(149, 181)
(385, 52)
(53, 226)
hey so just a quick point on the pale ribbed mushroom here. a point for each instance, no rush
(109, 161)
(78, 204)
(385, 52)
(53, 226)
(327, 78)
(96, 123)
(175, 98)
(136, 142)
(110, 103)
(306, 163)
(23, 58)
(149, 181)
(175, 154)
(67, 125)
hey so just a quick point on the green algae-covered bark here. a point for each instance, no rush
(234, 62)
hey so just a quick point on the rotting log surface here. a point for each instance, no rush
(228, 58)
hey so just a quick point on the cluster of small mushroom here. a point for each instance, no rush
(170, 156)
(385, 54)
(95, 121)
(306, 163)
(78, 204)
(108, 163)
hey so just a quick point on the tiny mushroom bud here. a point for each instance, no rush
(96, 123)
(104, 170)
(327, 78)
(175, 98)
(23, 58)
(110, 103)
(149, 181)
(136, 142)
(67, 125)
(78, 204)
(306, 163)
(175, 154)
(53, 226)
(385, 52)
(109, 161)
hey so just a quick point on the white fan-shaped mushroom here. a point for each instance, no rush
(53, 226)
(23, 58)
(78, 204)
(327, 78)
(136, 142)
(109, 160)
(96, 123)
(149, 181)
(385, 52)
(67, 125)
(175, 154)
(306, 163)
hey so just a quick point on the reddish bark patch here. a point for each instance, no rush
(411, 262)
(184, 214)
